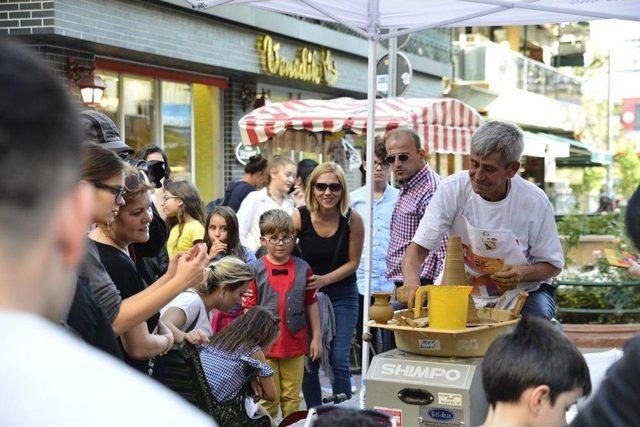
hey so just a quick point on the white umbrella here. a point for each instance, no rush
(368, 17)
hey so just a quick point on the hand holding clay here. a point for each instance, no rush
(508, 277)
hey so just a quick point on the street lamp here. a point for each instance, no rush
(91, 86)
(248, 97)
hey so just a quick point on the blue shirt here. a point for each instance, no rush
(382, 210)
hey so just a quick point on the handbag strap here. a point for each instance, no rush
(195, 321)
(340, 239)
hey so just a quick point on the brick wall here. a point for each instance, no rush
(26, 17)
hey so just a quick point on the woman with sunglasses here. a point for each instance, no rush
(331, 236)
(149, 337)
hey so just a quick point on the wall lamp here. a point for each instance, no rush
(249, 97)
(91, 86)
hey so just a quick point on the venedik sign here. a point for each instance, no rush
(309, 65)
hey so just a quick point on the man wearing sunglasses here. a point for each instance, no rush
(418, 184)
(507, 222)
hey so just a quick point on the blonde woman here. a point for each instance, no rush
(282, 176)
(187, 316)
(331, 238)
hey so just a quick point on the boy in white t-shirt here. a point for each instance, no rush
(490, 196)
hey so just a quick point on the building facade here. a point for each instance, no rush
(181, 79)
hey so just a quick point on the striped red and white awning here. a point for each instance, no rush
(445, 125)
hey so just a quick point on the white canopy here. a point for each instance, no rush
(368, 17)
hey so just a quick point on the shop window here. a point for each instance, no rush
(138, 109)
(207, 142)
(176, 127)
(182, 118)
(110, 98)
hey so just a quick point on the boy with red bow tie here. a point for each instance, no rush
(280, 286)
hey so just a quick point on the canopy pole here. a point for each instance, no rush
(368, 220)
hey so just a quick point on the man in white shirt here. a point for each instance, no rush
(48, 376)
(514, 215)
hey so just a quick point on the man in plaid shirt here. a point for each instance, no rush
(419, 183)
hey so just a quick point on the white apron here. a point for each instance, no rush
(486, 252)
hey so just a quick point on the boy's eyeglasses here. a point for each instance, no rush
(118, 192)
(392, 159)
(285, 240)
(322, 187)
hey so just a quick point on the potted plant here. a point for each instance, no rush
(597, 303)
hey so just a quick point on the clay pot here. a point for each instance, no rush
(381, 311)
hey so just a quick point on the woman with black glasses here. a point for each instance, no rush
(98, 301)
(149, 337)
(331, 238)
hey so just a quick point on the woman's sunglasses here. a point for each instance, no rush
(392, 159)
(133, 182)
(118, 192)
(322, 187)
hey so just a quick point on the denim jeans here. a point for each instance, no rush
(345, 308)
(541, 303)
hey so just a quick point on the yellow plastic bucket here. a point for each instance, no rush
(448, 306)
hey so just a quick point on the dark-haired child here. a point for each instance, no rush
(280, 286)
(532, 376)
(222, 239)
(235, 357)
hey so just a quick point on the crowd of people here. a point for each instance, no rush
(267, 287)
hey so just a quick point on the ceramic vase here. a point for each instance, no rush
(381, 311)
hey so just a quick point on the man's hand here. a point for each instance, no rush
(315, 348)
(408, 289)
(509, 277)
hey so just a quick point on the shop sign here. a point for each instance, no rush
(309, 65)
(245, 152)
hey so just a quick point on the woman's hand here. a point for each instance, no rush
(190, 269)
(164, 331)
(196, 336)
(316, 282)
(217, 248)
(173, 265)
(257, 389)
(315, 348)
(246, 297)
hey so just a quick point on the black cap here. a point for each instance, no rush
(99, 128)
